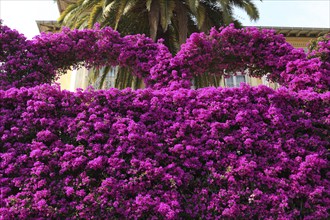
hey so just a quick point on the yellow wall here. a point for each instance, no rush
(65, 81)
(254, 81)
(74, 79)
(299, 42)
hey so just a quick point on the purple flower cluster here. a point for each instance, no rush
(228, 50)
(222, 52)
(261, 52)
(18, 66)
(27, 63)
(243, 153)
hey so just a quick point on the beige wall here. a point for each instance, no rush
(65, 81)
(74, 79)
(299, 42)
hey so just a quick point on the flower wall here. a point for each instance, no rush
(236, 153)
(166, 151)
(27, 63)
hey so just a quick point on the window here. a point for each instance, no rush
(235, 81)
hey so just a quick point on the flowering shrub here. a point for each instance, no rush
(227, 50)
(237, 153)
(320, 48)
(29, 63)
(175, 153)
(32, 62)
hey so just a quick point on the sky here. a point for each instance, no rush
(22, 14)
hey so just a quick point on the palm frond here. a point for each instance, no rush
(148, 4)
(251, 10)
(95, 14)
(120, 11)
(200, 16)
(82, 22)
(171, 39)
(76, 12)
(213, 19)
(124, 78)
(166, 13)
(134, 22)
(248, 6)
(108, 14)
(227, 11)
(67, 11)
(65, 18)
(193, 5)
(105, 72)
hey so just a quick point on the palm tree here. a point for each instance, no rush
(172, 20)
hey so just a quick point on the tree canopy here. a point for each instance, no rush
(173, 20)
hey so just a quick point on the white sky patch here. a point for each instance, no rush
(290, 13)
(22, 14)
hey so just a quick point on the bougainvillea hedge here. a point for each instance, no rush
(249, 153)
(164, 153)
(31, 62)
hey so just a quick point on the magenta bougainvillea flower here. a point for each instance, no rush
(32, 62)
(166, 151)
